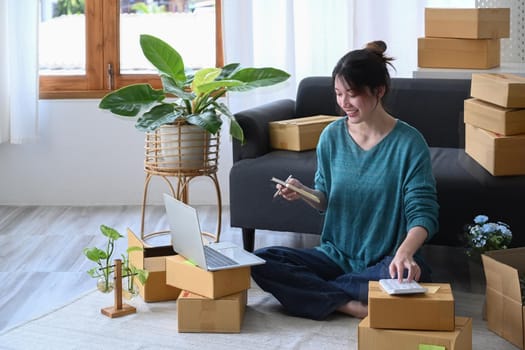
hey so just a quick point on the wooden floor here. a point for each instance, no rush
(42, 265)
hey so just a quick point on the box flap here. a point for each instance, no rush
(136, 258)
(502, 270)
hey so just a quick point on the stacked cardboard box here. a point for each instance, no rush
(209, 301)
(495, 123)
(413, 321)
(463, 38)
(505, 298)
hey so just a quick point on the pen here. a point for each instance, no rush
(279, 190)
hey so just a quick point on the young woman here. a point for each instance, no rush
(377, 192)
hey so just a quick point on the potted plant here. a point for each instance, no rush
(186, 96)
(103, 272)
(482, 236)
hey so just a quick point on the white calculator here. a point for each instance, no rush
(393, 286)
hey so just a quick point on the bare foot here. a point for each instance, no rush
(354, 308)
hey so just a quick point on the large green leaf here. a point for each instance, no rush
(258, 77)
(164, 57)
(204, 76)
(95, 254)
(130, 100)
(235, 129)
(159, 115)
(228, 70)
(110, 232)
(217, 84)
(171, 87)
(208, 120)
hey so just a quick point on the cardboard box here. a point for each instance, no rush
(433, 310)
(498, 154)
(505, 310)
(152, 259)
(372, 339)
(186, 276)
(298, 134)
(467, 23)
(458, 53)
(505, 90)
(488, 116)
(196, 313)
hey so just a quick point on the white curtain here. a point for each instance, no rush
(18, 71)
(307, 37)
(302, 37)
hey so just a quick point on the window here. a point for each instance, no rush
(89, 47)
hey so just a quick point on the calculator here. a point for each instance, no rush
(393, 286)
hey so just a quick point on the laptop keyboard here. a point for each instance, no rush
(216, 259)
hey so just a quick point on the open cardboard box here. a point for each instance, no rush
(152, 259)
(505, 310)
(433, 310)
(460, 338)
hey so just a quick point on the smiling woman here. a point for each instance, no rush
(99, 53)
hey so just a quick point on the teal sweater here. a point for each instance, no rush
(374, 196)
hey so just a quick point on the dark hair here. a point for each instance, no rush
(365, 68)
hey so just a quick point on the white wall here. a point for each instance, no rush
(86, 156)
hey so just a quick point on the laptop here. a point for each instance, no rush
(187, 241)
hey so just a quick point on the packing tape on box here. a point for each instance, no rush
(207, 315)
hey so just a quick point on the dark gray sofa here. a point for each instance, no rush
(433, 106)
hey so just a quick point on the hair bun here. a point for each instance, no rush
(377, 46)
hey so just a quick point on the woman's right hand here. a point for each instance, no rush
(287, 193)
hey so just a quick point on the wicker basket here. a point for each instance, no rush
(181, 149)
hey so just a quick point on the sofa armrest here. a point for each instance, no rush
(254, 123)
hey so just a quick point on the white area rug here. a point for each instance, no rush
(80, 325)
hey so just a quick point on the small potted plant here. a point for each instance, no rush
(187, 96)
(103, 272)
(482, 236)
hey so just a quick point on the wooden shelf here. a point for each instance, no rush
(451, 73)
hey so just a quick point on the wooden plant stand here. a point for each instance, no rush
(119, 309)
(168, 161)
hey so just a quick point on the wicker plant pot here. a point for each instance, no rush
(181, 148)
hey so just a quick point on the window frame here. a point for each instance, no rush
(103, 51)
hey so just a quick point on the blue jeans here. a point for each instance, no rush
(309, 284)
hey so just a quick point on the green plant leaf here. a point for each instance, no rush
(208, 120)
(235, 129)
(164, 57)
(94, 254)
(142, 275)
(171, 87)
(130, 100)
(258, 77)
(228, 70)
(134, 249)
(159, 115)
(218, 84)
(93, 272)
(110, 232)
(204, 76)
